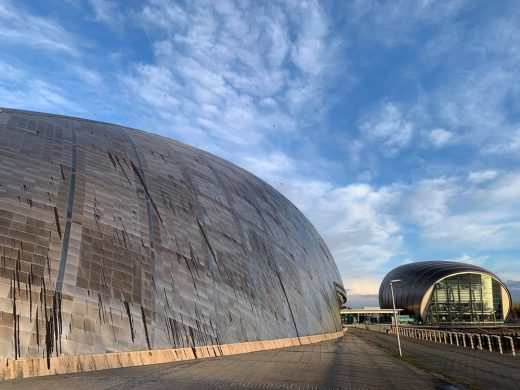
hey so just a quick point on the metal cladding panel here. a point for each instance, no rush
(113, 239)
(416, 279)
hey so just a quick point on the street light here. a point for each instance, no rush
(395, 315)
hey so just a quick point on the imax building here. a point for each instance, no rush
(445, 292)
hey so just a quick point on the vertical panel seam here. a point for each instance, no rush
(70, 207)
(151, 236)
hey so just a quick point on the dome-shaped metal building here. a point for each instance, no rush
(113, 239)
(446, 292)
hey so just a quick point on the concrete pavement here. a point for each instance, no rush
(475, 369)
(350, 362)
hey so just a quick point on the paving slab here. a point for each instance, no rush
(473, 368)
(350, 362)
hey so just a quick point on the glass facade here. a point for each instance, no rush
(467, 297)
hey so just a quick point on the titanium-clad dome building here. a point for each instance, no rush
(113, 239)
(446, 292)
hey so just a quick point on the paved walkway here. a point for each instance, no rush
(350, 362)
(473, 368)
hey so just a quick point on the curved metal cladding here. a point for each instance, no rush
(417, 279)
(113, 239)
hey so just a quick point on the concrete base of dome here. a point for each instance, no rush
(25, 368)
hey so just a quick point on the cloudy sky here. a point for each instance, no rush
(394, 126)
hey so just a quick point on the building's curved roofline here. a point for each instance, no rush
(184, 247)
(213, 157)
(418, 280)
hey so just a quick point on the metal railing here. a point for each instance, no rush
(499, 343)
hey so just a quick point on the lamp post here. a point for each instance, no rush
(395, 315)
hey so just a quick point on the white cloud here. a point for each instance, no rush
(269, 167)
(481, 176)
(86, 75)
(449, 214)
(106, 11)
(9, 72)
(365, 226)
(396, 22)
(18, 27)
(20, 89)
(388, 127)
(439, 137)
(365, 285)
(239, 75)
(354, 221)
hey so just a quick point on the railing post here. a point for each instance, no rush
(512, 343)
(489, 342)
(470, 340)
(480, 346)
(499, 343)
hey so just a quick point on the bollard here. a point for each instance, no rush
(499, 343)
(512, 343)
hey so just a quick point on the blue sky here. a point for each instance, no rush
(394, 126)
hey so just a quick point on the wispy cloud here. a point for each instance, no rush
(20, 27)
(394, 126)
(439, 137)
(237, 73)
(106, 11)
(396, 22)
(20, 89)
(367, 227)
(482, 176)
(388, 129)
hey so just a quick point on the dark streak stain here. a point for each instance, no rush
(145, 328)
(57, 219)
(136, 171)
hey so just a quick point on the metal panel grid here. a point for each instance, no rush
(113, 239)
